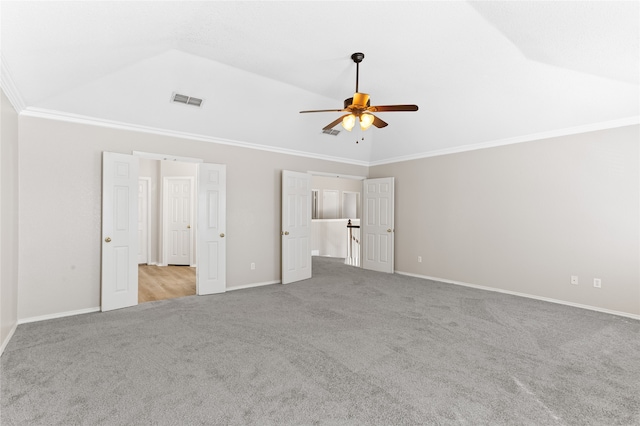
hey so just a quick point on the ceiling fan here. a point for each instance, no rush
(359, 107)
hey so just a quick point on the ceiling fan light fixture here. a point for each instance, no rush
(348, 122)
(359, 107)
(366, 120)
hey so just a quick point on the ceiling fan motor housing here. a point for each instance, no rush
(348, 102)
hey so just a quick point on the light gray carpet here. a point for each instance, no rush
(346, 347)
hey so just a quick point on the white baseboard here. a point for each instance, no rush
(9, 336)
(240, 287)
(530, 296)
(58, 315)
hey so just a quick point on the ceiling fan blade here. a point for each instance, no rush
(324, 110)
(334, 123)
(386, 108)
(379, 123)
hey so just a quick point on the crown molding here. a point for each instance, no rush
(9, 88)
(612, 124)
(82, 119)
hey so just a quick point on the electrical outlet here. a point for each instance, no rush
(597, 283)
(419, 259)
(253, 265)
(574, 280)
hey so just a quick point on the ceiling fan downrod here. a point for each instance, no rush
(357, 58)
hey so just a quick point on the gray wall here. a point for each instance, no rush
(60, 199)
(525, 217)
(8, 219)
(521, 218)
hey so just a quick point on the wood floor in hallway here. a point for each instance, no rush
(165, 282)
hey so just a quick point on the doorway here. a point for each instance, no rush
(121, 207)
(335, 221)
(372, 247)
(167, 205)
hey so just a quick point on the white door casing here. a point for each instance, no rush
(296, 226)
(144, 183)
(211, 228)
(177, 214)
(119, 276)
(377, 225)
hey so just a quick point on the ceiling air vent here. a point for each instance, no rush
(331, 132)
(184, 99)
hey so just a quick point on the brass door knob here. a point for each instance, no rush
(286, 232)
(188, 226)
(221, 235)
(108, 240)
(388, 230)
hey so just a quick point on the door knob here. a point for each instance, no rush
(286, 232)
(388, 230)
(108, 239)
(188, 226)
(221, 235)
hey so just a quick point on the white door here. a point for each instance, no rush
(377, 225)
(212, 221)
(178, 207)
(143, 220)
(119, 231)
(296, 226)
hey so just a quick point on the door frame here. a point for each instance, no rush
(165, 215)
(148, 218)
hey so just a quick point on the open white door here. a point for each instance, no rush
(377, 224)
(119, 231)
(211, 226)
(296, 226)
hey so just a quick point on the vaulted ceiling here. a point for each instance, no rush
(482, 73)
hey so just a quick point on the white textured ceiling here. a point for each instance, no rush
(481, 72)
